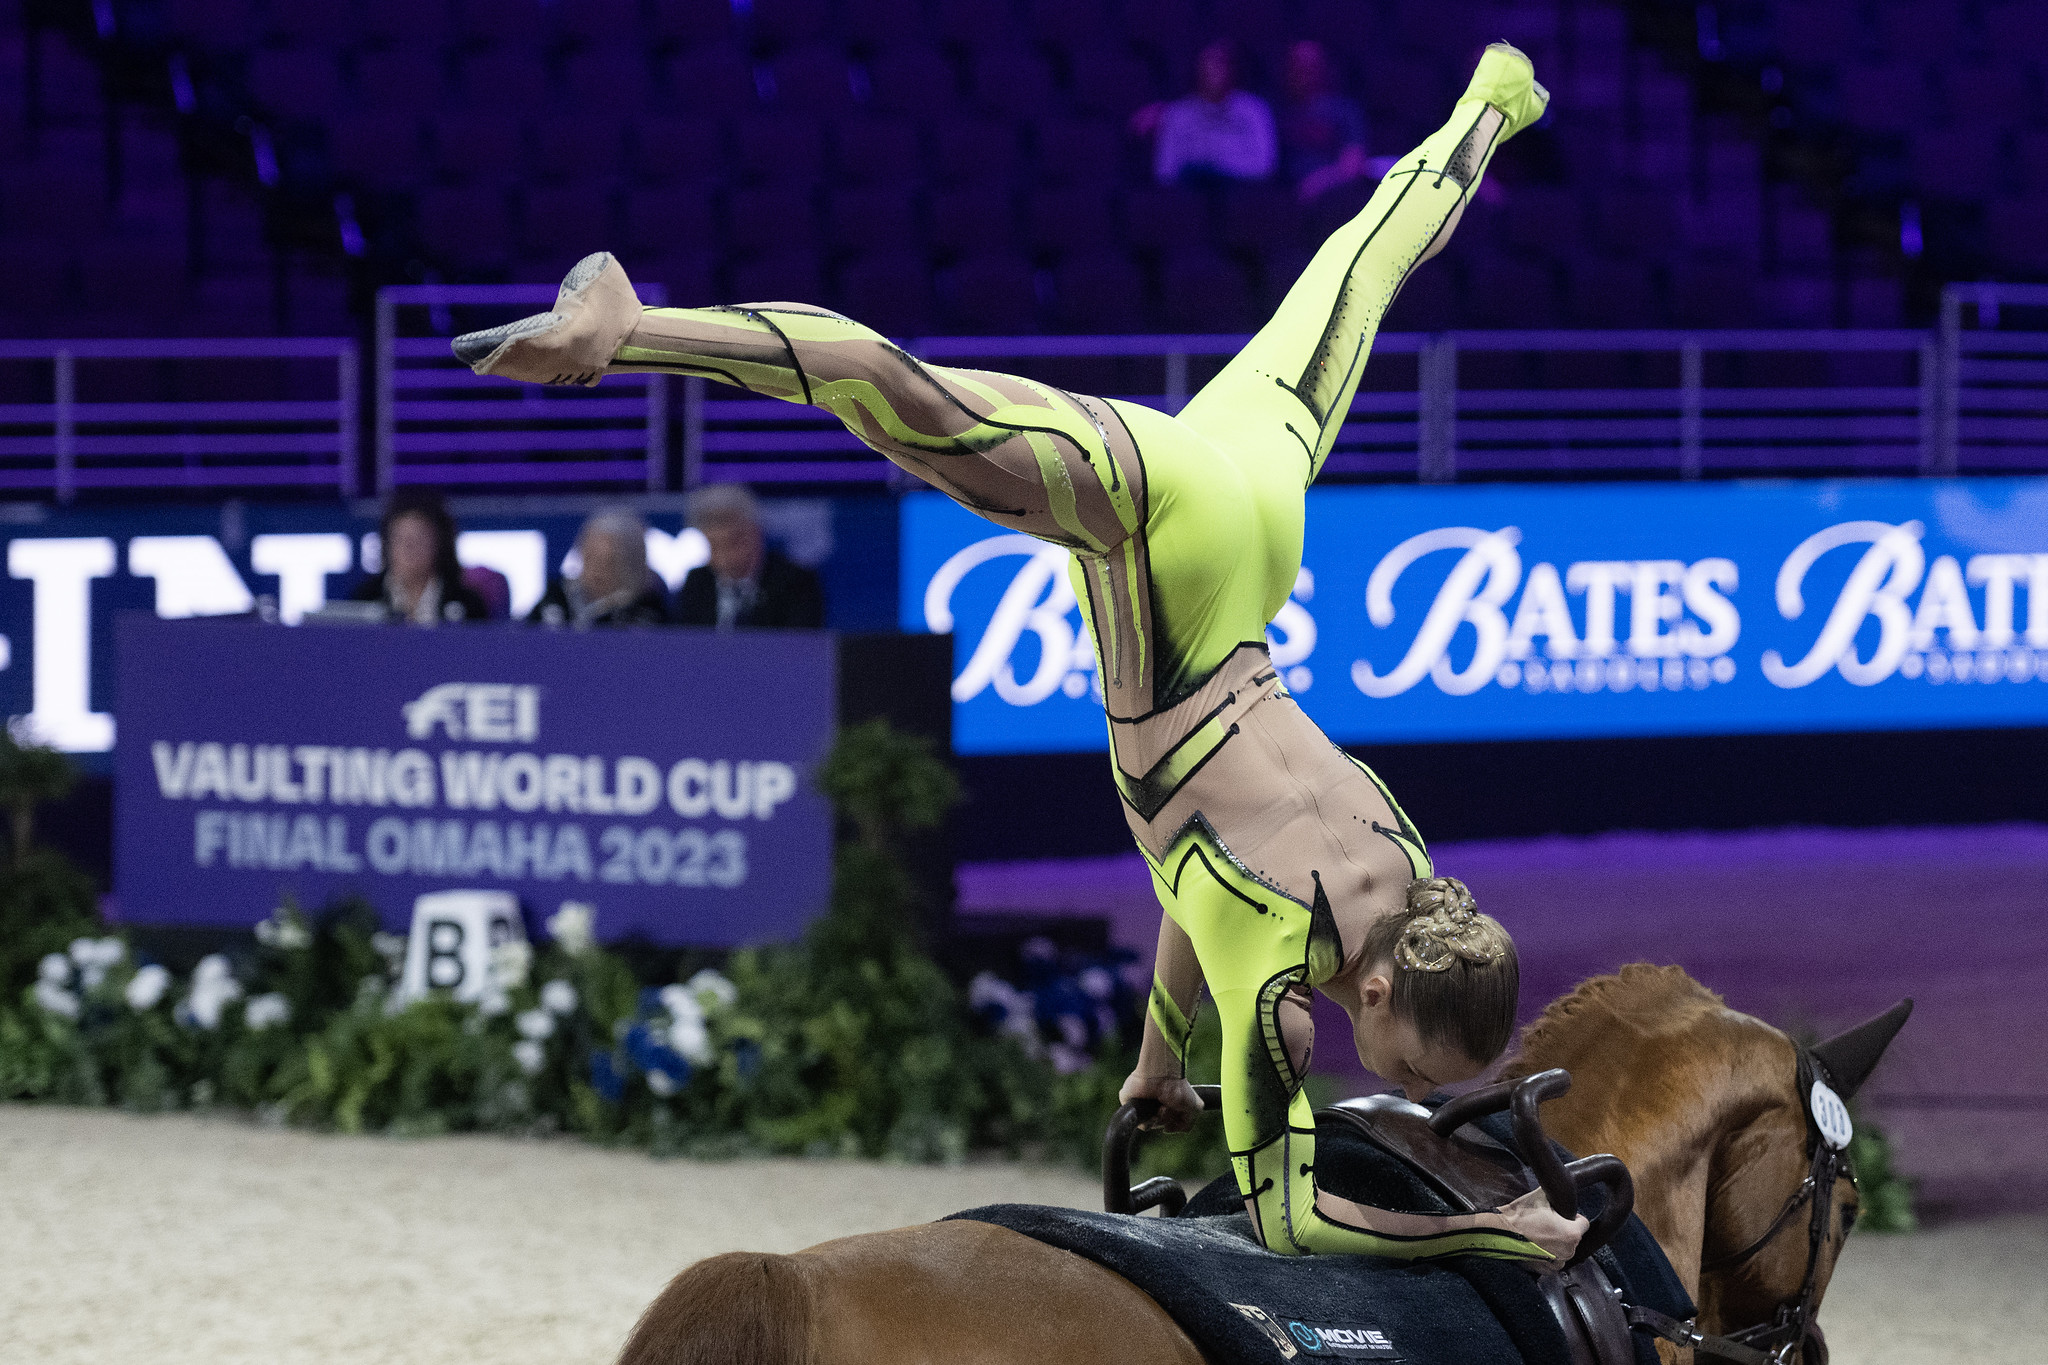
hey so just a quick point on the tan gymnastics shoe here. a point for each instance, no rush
(571, 344)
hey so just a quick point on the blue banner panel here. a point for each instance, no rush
(1513, 612)
(665, 777)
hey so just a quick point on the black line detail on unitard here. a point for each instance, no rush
(1152, 797)
(1261, 678)
(1115, 474)
(1199, 821)
(1200, 683)
(1138, 453)
(1306, 448)
(1451, 161)
(790, 347)
(1195, 851)
(1343, 289)
(677, 367)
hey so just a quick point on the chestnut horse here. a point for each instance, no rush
(1699, 1100)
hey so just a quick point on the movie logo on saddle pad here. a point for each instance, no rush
(1514, 612)
(664, 777)
(1296, 1339)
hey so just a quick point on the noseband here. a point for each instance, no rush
(1778, 1342)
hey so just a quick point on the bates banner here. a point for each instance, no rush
(664, 777)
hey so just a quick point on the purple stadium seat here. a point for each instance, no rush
(874, 24)
(1711, 293)
(871, 221)
(2015, 229)
(968, 22)
(598, 23)
(586, 145)
(1080, 152)
(1543, 218)
(773, 218)
(502, 23)
(993, 294)
(225, 24)
(613, 77)
(877, 151)
(1076, 218)
(1797, 300)
(468, 226)
(1203, 291)
(1164, 218)
(890, 292)
(333, 27)
(421, 24)
(1503, 290)
(785, 276)
(815, 78)
(779, 147)
(505, 79)
(1959, 163)
(1068, 24)
(1099, 291)
(1930, 30)
(1347, 28)
(715, 79)
(1815, 32)
(1990, 96)
(1011, 79)
(480, 147)
(1258, 218)
(2030, 161)
(669, 222)
(690, 277)
(1636, 221)
(232, 305)
(1886, 97)
(2018, 26)
(690, 23)
(143, 277)
(569, 221)
(791, 23)
(976, 152)
(1801, 236)
(295, 82)
(977, 218)
(318, 306)
(400, 78)
(1608, 291)
(686, 149)
(380, 151)
(1875, 303)
(1109, 79)
(912, 80)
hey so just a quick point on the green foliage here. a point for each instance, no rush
(1887, 1195)
(45, 903)
(30, 774)
(887, 782)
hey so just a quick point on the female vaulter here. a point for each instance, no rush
(1282, 863)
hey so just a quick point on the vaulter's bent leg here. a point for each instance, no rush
(1290, 388)
(1024, 455)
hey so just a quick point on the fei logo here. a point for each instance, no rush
(500, 713)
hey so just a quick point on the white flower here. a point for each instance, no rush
(714, 984)
(1074, 1029)
(661, 1083)
(266, 1011)
(572, 927)
(390, 947)
(1097, 983)
(535, 1025)
(1067, 1060)
(530, 1055)
(511, 961)
(558, 997)
(55, 968)
(690, 1038)
(54, 999)
(493, 1003)
(284, 929)
(94, 956)
(147, 987)
(213, 986)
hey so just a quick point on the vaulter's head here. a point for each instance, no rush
(1437, 992)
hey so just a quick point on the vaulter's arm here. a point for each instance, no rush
(1170, 1015)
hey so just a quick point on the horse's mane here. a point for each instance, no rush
(1639, 997)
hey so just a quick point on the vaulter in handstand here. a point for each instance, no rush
(1282, 863)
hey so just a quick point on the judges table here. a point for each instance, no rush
(665, 777)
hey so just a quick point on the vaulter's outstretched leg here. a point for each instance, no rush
(1290, 388)
(1026, 456)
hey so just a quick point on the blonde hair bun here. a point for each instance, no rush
(1444, 927)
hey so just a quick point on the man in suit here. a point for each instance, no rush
(746, 584)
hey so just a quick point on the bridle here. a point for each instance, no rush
(1780, 1341)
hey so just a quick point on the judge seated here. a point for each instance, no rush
(612, 586)
(746, 583)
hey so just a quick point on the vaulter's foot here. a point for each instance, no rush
(1506, 80)
(593, 314)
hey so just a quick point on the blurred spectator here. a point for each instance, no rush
(420, 580)
(746, 583)
(1322, 132)
(1219, 133)
(612, 586)
(492, 586)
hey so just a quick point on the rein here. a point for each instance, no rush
(1778, 1341)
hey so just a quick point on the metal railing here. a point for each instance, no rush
(436, 423)
(1993, 400)
(79, 440)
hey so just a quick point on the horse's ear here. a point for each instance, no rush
(1851, 1057)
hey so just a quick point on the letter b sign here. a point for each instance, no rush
(454, 935)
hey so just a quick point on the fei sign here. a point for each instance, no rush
(664, 776)
(1516, 612)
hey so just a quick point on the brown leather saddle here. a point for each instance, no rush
(1471, 1170)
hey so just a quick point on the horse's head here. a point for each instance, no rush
(1781, 1193)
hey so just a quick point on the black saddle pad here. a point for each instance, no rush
(1244, 1305)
